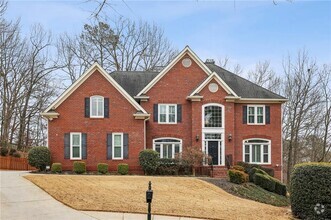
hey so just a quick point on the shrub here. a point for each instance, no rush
(265, 182)
(269, 171)
(79, 167)
(39, 157)
(123, 168)
(149, 161)
(253, 171)
(193, 157)
(240, 168)
(56, 168)
(237, 176)
(280, 188)
(16, 154)
(168, 167)
(12, 151)
(3, 151)
(102, 168)
(248, 166)
(310, 186)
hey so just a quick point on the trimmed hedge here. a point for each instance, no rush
(252, 172)
(280, 188)
(56, 168)
(237, 167)
(39, 157)
(149, 161)
(102, 168)
(79, 167)
(237, 176)
(310, 190)
(123, 168)
(168, 167)
(248, 167)
(265, 182)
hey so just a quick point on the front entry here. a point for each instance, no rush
(213, 151)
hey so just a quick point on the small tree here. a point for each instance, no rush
(194, 157)
(39, 157)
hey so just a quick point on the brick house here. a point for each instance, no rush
(110, 118)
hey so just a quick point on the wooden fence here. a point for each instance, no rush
(13, 163)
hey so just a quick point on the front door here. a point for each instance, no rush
(213, 151)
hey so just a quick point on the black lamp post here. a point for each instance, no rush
(149, 197)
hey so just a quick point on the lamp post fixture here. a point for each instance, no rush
(149, 197)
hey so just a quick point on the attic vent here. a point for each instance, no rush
(210, 61)
(187, 62)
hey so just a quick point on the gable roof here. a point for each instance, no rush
(243, 87)
(186, 50)
(82, 79)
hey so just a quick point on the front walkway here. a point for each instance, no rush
(22, 200)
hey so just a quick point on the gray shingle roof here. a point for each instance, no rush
(133, 81)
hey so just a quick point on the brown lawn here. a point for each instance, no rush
(178, 196)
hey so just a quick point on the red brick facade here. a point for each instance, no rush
(172, 88)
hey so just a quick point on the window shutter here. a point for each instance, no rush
(106, 107)
(84, 146)
(179, 113)
(126, 146)
(155, 112)
(87, 107)
(245, 114)
(267, 114)
(109, 146)
(67, 146)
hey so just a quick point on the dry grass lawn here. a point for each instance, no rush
(178, 196)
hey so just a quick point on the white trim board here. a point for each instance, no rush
(186, 50)
(82, 79)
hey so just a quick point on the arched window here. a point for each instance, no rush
(97, 106)
(213, 116)
(257, 151)
(167, 147)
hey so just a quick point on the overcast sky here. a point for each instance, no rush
(245, 31)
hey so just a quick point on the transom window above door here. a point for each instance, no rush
(167, 113)
(167, 147)
(213, 116)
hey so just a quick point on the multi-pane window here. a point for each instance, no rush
(257, 151)
(167, 113)
(97, 107)
(118, 145)
(75, 145)
(256, 114)
(168, 148)
(213, 116)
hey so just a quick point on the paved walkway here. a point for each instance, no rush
(22, 200)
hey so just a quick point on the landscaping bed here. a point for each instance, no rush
(177, 196)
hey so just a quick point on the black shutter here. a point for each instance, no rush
(84, 146)
(87, 107)
(179, 113)
(67, 146)
(155, 112)
(106, 107)
(267, 114)
(109, 146)
(126, 146)
(245, 114)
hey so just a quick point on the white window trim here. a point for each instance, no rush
(80, 146)
(221, 146)
(203, 117)
(257, 143)
(113, 146)
(167, 113)
(173, 145)
(255, 114)
(103, 110)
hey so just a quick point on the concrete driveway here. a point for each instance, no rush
(22, 200)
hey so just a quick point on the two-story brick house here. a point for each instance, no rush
(110, 118)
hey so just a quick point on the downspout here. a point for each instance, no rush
(145, 132)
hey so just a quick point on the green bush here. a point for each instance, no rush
(56, 168)
(123, 168)
(12, 151)
(149, 161)
(79, 167)
(16, 154)
(252, 172)
(310, 186)
(237, 176)
(269, 171)
(265, 181)
(102, 168)
(39, 157)
(280, 188)
(168, 167)
(237, 167)
(248, 167)
(3, 151)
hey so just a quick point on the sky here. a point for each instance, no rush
(244, 31)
